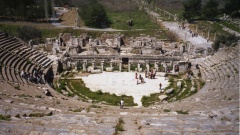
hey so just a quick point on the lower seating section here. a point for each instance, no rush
(15, 57)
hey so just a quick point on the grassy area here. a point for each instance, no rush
(78, 88)
(149, 100)
(178, 93)
(140, 20)
(12, 29)
(230, 25)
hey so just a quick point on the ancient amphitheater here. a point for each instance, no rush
(214, 109)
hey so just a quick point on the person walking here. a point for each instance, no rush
(160, 86)
(121, 104)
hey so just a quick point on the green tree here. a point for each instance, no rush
(226, 40)
(232, 8)
(192, 9)
(27, 32)
(94, 15)
(210, 10)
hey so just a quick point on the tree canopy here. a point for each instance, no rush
(25, 9)
(232, 8)
(210, 9)
(192, 9)
(94, 15)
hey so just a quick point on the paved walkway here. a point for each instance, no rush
(185, 35)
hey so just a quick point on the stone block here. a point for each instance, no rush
(169, 91)
(9, 100)
(23, 104)
(179, 84)
(162, 97)
(123, 113)
(109, 69)
(96, 71)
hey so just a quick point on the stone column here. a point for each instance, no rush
(111, 64)
(138, 67)
(93, 64)
(129, 66)
(102, 62)
(156, 65)
(165, 66)
(120, 66)
(84, 66)
(174, 68)
(147, 66)
(68, 65)
(189, 47)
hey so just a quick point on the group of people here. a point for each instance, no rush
(151, 74)
(36, 76)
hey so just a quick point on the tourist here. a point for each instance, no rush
(160, 86)
(189, 65)
(142, 81)
(121, 104)
(197, 67)
(136, 76)
(22, 74)
(138, 82)
(146, 74)
(48, 93)
(140, 77)
(154, 72)
(165, 77)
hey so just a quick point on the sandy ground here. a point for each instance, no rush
(124, 83)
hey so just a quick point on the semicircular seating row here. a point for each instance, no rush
(221, 73)
(16, 57)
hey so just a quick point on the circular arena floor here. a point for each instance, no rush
(124, 83)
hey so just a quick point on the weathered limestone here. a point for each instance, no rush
(147, 66)
(138, 67)
(102, 63)
(120, 66)
(129, 67)
(84, 66)
(93, 65)
(162, 97)
(156, 65)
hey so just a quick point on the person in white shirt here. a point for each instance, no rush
(121, 104)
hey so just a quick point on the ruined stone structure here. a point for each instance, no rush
(110, 49)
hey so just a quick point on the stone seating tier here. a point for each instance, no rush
(15, 57)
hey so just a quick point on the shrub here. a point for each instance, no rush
(182, 112)
(5, 117)
(166, 110)
(78, 109)
(18, 116)
(95, 106)
(119, 126)
(17, 87)
(36, 115)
